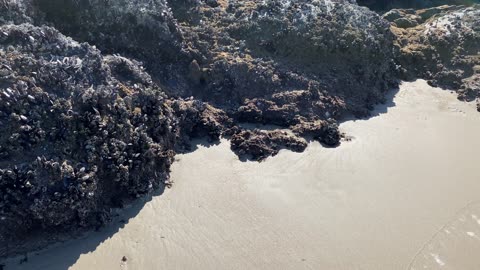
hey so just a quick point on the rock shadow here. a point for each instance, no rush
(64, 254)
(377, 110)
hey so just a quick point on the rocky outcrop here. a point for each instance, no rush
(85, 131)
(91, 122)
(443, 48)
(385, 5)
(81, 132)
(331, 45)
(143, 29)
(233, 53)
(260, 144)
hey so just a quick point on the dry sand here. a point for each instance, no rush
(400, 195)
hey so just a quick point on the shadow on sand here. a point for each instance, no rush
(63, 255)
(378, 110)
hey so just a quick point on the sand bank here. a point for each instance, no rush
(400, 195)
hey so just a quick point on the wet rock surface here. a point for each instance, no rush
(96, 97)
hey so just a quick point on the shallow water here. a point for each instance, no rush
(402, 194)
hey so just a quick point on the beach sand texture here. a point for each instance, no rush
(401, 194)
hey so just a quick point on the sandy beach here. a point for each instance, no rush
(401, 194)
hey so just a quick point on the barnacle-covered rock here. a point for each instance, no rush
(382, 5)
(331, 46)
(16, 11)
(199, 119)
(81, 132)
(325, 131)
(259, 144)
(139, 28)
(443, 49)
(338, 57)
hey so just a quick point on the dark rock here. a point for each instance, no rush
(385, 5)
(258, 145)
(140, 28)
(444, 49)
(83, 131)
(98, 132)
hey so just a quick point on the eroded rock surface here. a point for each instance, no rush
(81, 132)
(385, 5)
(96, 97)
(444, 48)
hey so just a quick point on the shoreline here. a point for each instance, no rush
(112, 93)
(319, 208)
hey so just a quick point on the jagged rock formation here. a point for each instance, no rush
(259, 144)
(87, 127)
(244, 57)
(385, 5)
(232, 54)
(442, 45)
(99, 129)
(81, 132)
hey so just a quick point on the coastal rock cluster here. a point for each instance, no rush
(386, 5)
(97, 97)
(440, 44)
(81, 132)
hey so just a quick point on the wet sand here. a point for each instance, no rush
(402, 194)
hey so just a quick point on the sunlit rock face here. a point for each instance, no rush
(81, 132)
(102, 94)
(331, 44)
(324, 37)
(138, 28)
(99, 129)
(442, 46)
